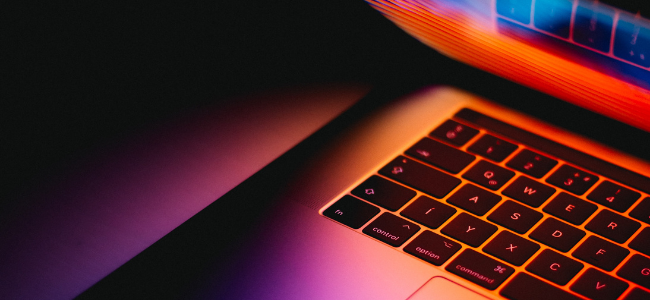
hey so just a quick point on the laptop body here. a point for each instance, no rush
(278, 245)
(317, 258)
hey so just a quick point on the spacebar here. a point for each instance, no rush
(527, 287)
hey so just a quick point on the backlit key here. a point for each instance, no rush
(440, 155)
(511, 248)
(391, 229)
(429, 212)
(469, 229)
(632, 42)
(613, 226)
(557, 234)
(351, 211)
(600, 253)
(593, 26)
(595, 284)
(480, 269)
(515, 9)
(492, 148)
(454, 132)
(515, 216)
(570, 208)
(553, 16)
(637, 270)
(642, 211)
(637, 294)
(526, 287)
(420, 176)
(529, 191)
(488, 175)
(432, 248)
(641, 242)
(474, 199)
(613, 196)
(572, 179)
(531, 163)
(554, 267)
(384, 192)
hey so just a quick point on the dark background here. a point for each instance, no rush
(81, 74)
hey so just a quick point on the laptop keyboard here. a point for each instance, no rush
(502, 208)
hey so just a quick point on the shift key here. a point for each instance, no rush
(480, 269)
(391, 229)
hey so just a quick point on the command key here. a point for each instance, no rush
(480, 269)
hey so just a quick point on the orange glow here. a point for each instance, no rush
(467, 32)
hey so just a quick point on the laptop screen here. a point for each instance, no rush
(588, 53)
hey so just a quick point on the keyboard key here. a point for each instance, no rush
(637, 294)
(593, 27)
(469, 230)
(557, 234)
(429, 212)
(492, 148)
(420, 176)
(637, 270)
(515, 217)
(613, 226)
(432, 248)
(518, 10)
(641, 242)
(570, 208)
(615, 173)
(595, 284)
(572, 179)
(511, 248)
(351, 211)
(474, 199)
(454, 133)
(488, 175)
(642, 211)
(384, 193)
(554, 266)
(526, 287)
(480, 269)
(528, 191)
(531, 163)
(613, 196)
(553, 16)
(600, 253)
(632, 42)
(440, 155)
(391, 229)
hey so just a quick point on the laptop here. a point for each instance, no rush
(439, 193)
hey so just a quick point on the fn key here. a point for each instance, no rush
(351, 211)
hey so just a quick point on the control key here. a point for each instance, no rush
(391, 229)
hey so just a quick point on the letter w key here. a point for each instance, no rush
(529, 191)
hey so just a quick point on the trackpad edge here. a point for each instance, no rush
(442, 288)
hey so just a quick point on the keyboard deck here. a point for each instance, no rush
(510, 211)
